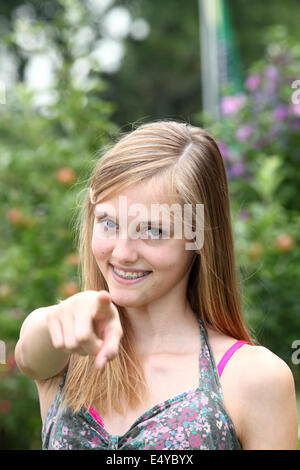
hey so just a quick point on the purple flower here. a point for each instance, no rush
(195, 440)
(237, 170)
(280, 113)
(223, 150)
(243, 214)
(295, 126)
(260, 143)
(232, 104)
(244, 132)
(271, 72)
(274, 130)
(259, 101)
(253, 82)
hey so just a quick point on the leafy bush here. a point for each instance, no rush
(46, 153)
(259, 139)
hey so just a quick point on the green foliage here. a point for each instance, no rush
(259, 139)
(46, 154)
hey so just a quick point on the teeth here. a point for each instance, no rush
(128, 275)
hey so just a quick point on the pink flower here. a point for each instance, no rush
(96, 440)
(271, 72)
(244, 132)
(204, 401)
(189, 414)
(280, 113)
(64, 430)
(295, 109)
(252, 82)
(151, 426)
(195, 440)
(232, 104)
(223, 150)
(159, 445)
(237, 170)
(170, 421)
(11, 362)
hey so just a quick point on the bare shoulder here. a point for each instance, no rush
(260, 369)
(268, 401)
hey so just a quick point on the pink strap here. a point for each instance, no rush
(96, 416)
(228, 355)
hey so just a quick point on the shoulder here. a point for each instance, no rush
(261, 370)
(267, 396)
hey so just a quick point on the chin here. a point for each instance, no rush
(125, 301)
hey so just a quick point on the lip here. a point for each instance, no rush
(128, 270)
(121, 280)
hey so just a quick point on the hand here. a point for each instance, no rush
(86, 323)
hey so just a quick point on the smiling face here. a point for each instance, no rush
(115, 244)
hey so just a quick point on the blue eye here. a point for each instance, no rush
(105, 220)
(155, 236)
(158, 232)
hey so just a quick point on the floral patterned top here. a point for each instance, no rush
(193, 420)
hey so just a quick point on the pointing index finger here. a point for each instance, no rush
(104, 304)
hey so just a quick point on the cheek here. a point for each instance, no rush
(167, 259)
(100, 247)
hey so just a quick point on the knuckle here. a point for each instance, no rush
(71, 345)
(58, 345)
(50, 316)
(82, 338)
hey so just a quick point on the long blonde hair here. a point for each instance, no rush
(193, 170)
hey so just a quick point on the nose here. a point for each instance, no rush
(125, 251)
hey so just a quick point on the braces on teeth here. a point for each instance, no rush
(129, 276)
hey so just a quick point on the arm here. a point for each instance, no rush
(34, 353)
(269, 412)
(77, 325)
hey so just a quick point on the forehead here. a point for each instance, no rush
(146, 193)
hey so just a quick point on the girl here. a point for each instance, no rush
(137, 359)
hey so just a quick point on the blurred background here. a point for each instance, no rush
(73, 75)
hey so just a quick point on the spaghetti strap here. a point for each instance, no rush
(63, 379)
(228, 355)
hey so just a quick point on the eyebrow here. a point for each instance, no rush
(101, 214)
